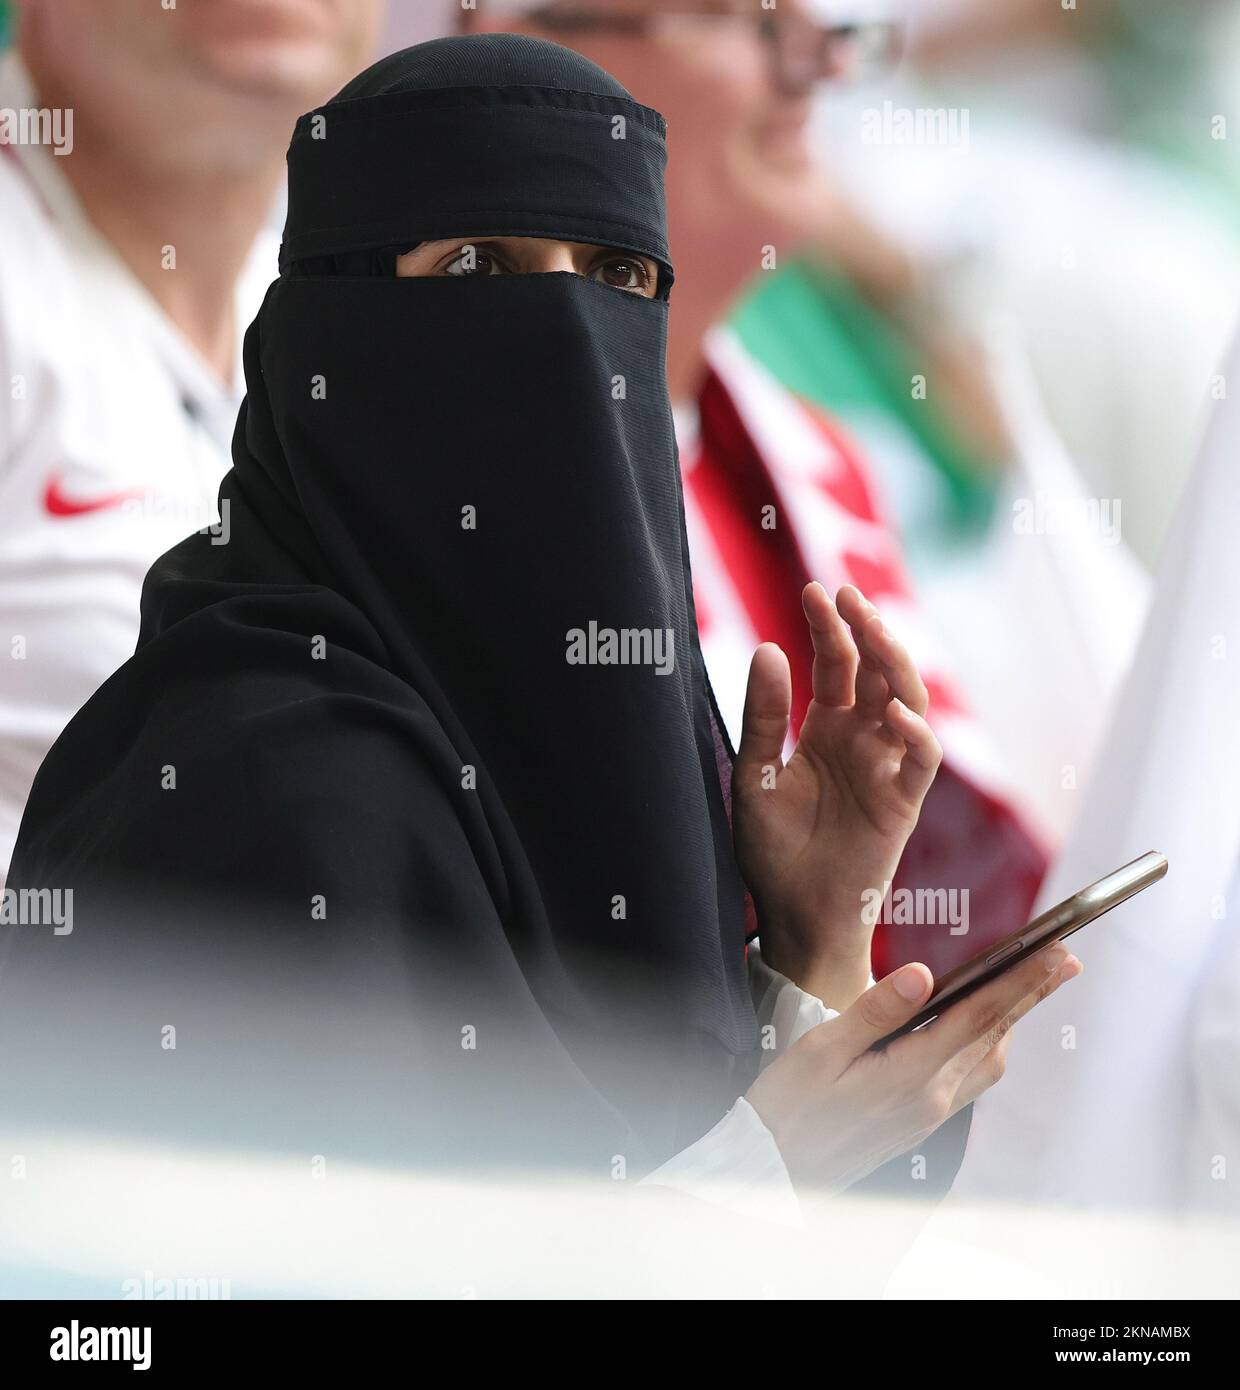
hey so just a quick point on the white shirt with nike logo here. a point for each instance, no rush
(114, 435)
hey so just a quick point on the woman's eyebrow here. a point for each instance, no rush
(449, 246)
(449, 243)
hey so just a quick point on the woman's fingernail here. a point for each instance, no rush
(1055, 957)
(910, 984)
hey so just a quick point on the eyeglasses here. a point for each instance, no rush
(803, 50)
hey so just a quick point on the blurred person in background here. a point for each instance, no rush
(891, 324)
(131, 258)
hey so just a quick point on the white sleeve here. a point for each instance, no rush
(785, 1011)
(738, 1165)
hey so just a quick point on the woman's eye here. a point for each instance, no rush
(471, 261)
(624, 275)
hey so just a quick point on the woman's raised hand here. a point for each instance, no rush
(818, 836)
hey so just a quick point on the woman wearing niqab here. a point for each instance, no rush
(410, 813)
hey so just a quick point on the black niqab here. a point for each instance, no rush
(386, 763)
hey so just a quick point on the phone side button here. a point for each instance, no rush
(1004, 954)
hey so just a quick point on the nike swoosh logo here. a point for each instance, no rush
(58, 503)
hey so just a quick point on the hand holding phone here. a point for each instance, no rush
(838, 1109)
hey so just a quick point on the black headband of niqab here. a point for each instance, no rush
(486, 135)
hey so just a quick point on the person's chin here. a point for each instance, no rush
(304, 68)
(285, 47)
(785, 151)
(785, 185)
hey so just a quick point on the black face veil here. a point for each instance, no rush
(443, 680)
